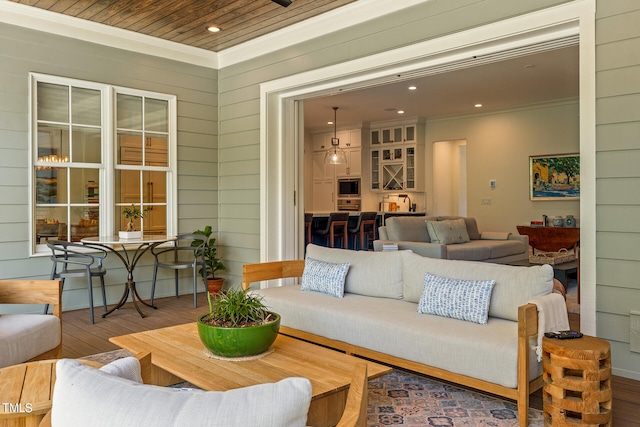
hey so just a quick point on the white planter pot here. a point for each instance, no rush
(129, 235)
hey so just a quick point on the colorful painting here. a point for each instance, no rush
(554, 177)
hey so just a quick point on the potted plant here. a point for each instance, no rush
(211, 260)
(132, 214)
(238, 324)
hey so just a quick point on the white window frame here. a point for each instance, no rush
(107, 167)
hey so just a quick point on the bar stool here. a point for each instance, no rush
(308, 220)
(364, 227)
(337, 225)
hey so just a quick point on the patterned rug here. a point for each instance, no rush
(406, 399)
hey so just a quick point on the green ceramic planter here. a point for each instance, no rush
(238, 342)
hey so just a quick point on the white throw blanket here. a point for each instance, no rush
(552, 317)
(495, 235)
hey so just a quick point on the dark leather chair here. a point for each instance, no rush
(337, 226)
(184, 255)
(74, 260)
(365, 226)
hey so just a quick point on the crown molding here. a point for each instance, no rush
(55, 23)
(93, 32)
(337, 19)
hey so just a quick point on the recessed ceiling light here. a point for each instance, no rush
(330, 122)
(413, 87)
(400, 111)
(478, 105)
(213, 29)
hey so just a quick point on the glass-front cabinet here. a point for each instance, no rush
(394, 157)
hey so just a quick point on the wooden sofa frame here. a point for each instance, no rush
(527, 327)
(35, 292)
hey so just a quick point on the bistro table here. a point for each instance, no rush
(142, 245)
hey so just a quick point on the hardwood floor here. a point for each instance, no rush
(81, 338)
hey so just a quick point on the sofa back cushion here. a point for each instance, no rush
(514, 286)
(407, 229)
(375, 274)
(84, 396)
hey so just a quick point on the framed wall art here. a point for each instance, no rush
(554, 177)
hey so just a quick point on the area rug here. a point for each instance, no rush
(572, 297)
(403, 398)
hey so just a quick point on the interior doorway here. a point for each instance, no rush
(450, 178)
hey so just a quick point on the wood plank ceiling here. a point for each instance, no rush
(186, 21)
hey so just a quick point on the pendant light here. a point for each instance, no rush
(335, 155)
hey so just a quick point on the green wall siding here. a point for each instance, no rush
(240, 98)
(618, 176)
(23, 51)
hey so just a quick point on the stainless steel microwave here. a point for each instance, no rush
(349, 187)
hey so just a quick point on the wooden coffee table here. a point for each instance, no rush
(177, 355)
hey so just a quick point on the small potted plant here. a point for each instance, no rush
(211, 260)
(132, 214)
(238, 324)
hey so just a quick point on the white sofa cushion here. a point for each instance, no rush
(125, 367)
(84, 396)
(514, 287)
(376, 274)
(25, 336)
(325, 277)
(460, 299)
(487, 352)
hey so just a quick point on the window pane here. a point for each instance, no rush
(50, 223)
(51, 185)
(84, 186)
(53, 102)
(86, 145)
(85, 106)
(155, 220)
(129, 112)
(53, 143)
(155, 187)
(155, 151)
(82, 227)
(130, 148)
(156, 113)
(127, 187)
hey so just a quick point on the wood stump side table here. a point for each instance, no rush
(576, 382)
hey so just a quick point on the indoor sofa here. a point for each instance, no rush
(377, 316)
(421, 234)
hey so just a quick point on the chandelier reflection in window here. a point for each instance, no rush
(53, 158)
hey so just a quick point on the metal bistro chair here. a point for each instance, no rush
(336, 226)
(364, 227)
(184, 256)
(72, 260)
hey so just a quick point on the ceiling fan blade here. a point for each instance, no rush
(284, 3)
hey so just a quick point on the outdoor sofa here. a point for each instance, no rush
(377, 315)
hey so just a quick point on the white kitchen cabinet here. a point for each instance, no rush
(354, 163)
(395, 148)
(324, 195)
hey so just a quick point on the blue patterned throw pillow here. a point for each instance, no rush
(325, 277)
(460, 299)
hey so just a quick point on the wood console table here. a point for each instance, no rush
(551, 239)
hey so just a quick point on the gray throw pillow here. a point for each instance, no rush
(448, 232)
